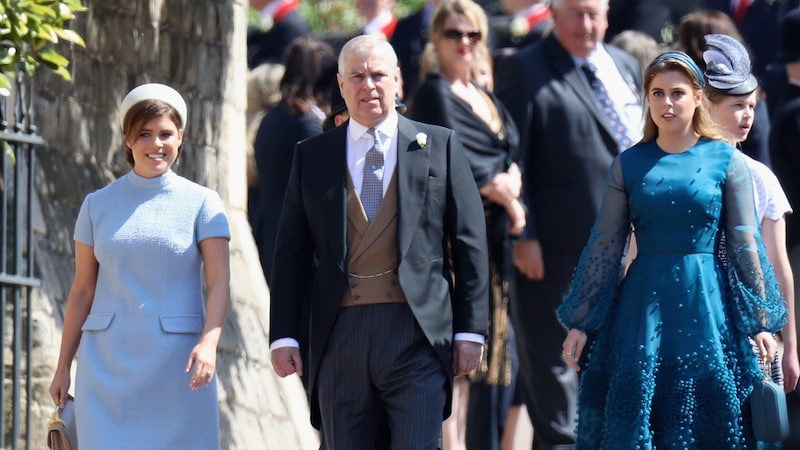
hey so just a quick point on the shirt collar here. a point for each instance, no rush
(387, 128)
(598, 56)
(376, 25)
(530, 10)
(269, 10)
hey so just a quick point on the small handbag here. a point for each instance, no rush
(61, 433)
(768, 410)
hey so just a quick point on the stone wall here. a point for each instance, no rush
(197, 46)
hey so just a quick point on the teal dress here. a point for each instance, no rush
(669, 364)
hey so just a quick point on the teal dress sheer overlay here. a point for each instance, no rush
(670, 365)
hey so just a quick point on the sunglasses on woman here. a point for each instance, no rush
(455, 35)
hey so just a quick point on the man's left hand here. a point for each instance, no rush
(466, 356)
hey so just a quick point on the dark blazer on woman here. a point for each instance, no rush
(277, 136)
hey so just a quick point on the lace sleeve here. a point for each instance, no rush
(594, 284)
(755, 299)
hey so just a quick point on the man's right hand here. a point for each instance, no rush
(286, 361)
(528, 258)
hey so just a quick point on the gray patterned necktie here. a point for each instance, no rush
(372, 181)
(606, 105)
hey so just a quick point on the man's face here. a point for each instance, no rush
(369, 84)
(580, 25)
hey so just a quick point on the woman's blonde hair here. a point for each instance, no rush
(429, 62)
(675, 61)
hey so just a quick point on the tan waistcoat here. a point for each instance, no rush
(372, 249)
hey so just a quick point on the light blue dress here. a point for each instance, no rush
(131, 389)
(670, 366)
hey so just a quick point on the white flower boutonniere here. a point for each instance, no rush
(422, 139)
(518, 28)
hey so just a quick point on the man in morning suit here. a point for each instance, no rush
(399, 293)
(281, 24)
(567, 143)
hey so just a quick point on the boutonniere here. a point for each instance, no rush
(518, 27)
(422, 139)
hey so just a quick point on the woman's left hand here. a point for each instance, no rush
(767, 346)
(204, 360)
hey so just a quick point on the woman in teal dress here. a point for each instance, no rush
(670, 365)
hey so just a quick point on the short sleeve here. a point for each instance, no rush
(771, 201)
(212, 221)
(84, 228)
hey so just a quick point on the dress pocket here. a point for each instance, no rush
(183, 324)
(97, 321)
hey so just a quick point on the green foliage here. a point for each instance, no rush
(29, 31)
(331, 16)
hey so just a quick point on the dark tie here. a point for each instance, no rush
(619, 130)
(372, 181)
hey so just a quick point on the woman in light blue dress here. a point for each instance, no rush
(670, 365)
(145, 247)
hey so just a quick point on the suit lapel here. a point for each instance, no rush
(564, 65)
(334, 198)
(412, 181)
(572, 74)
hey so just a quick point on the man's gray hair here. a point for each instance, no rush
(364, 45)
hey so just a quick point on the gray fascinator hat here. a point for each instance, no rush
(728, 65)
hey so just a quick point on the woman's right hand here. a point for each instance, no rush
(59, 387)
(572, 348)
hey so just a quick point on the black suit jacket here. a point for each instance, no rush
(269, 46)
(647, 16)
(278, 134)
(565, 144)
(438, 204)
(785, 154)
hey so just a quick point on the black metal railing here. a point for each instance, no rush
(18, 141)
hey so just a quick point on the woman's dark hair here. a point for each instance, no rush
(305, 60)
(696, 25)
(141, 113)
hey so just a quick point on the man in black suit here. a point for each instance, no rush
(525, 22)
(567, 145)
(281, 24)
(785, 156)
(389, 328)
